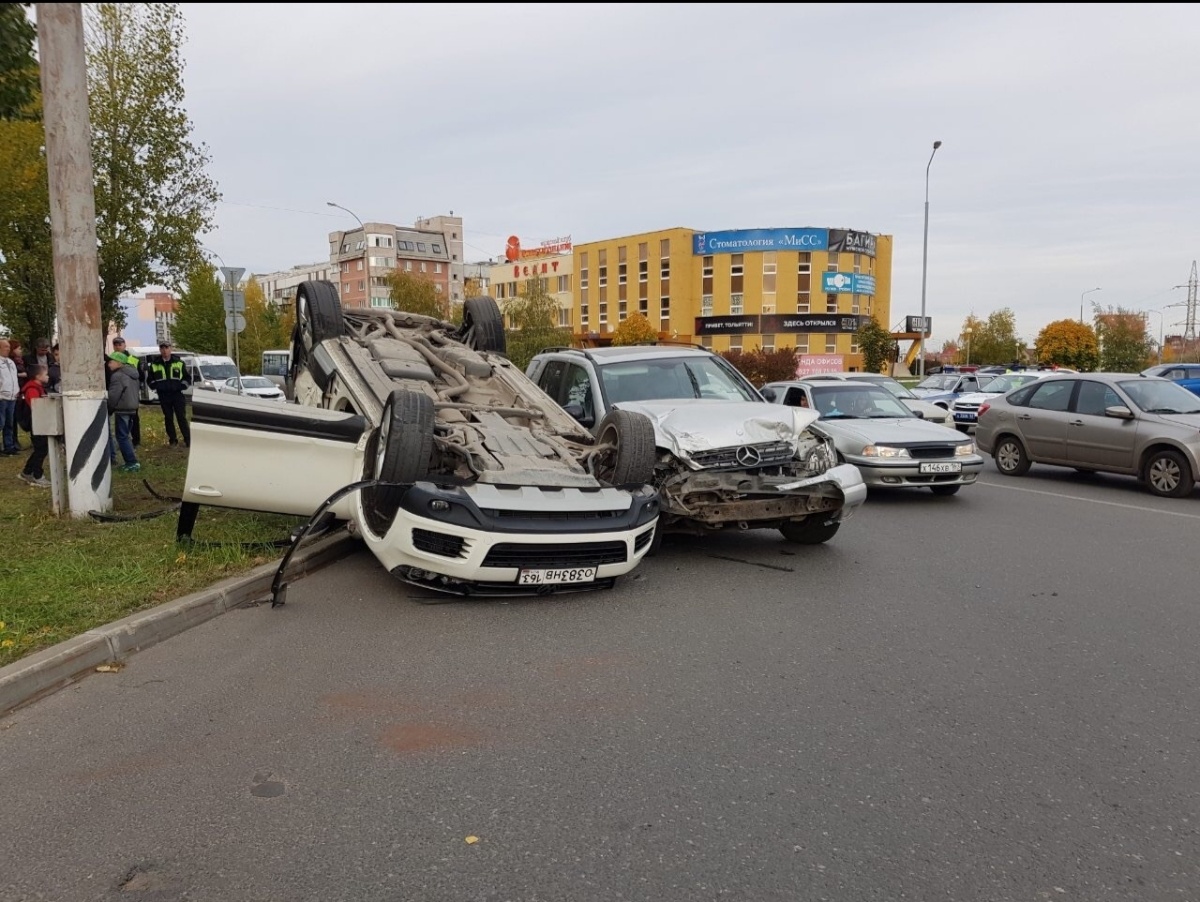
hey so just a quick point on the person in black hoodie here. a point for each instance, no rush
(168, 375)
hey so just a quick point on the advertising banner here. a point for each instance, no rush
(820, 363)
(913, 324)
(782, 323)
(749, 240)
(727, 325)
(847, 283)
(846, 241)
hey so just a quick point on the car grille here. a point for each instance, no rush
(768, 454)
(504, 513)
(438, 543)
(966, 405)
(926, 452)
(547, 555)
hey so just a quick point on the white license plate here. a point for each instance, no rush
(548, 577)
(941, 467)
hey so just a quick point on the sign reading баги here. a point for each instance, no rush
(847, 283)
(913, 324)
(514, 252)
(741, 241)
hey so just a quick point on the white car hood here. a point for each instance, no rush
(978, 397)
(688, 425)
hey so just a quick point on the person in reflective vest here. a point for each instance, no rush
(168, 375)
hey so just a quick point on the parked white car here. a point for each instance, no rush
(458, 473)
(252, 387)
(966, 408)
(931, 413)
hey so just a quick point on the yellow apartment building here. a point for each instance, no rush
(807, 288)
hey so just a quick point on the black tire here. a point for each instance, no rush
(1010, 457)
(630, 461)
(318, 317)
(483, 326)
(945, 489)
(1167, 474)
(403, 453)
(809, 531)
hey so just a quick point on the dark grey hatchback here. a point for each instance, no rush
(1143, 426)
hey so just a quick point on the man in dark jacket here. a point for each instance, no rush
(123, 400)
(168, 375)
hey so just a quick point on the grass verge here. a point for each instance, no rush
(62, 576)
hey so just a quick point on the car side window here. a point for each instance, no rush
(1094, 397)
(577, 389)
(795, 397)
(550, 378)
(1052, 395)
(1020, 398)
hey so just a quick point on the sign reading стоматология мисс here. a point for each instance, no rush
(739, 241)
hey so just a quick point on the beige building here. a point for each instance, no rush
(551, 262)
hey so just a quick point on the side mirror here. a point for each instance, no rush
(1119, 411)
(575, 410)
(769, 394)
(919, 414)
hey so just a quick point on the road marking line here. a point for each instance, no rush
(1131, 507)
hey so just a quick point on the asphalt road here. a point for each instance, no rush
(986, 697)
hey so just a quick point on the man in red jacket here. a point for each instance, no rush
(35, 387)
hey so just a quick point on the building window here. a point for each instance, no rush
(801, 344)
(583, 315)
(500, 291)
(854, 343)
(735, 343)
(604, 314)
(583, 280)
(603, 276)
(768, 342)
(664, 269)
(831, 343)
(362, 285)
(768, 303)
(805, 266)
(564, 284)
(854, 304)
(664, 307)
(643, 271)
(831, 303)
(706, 341)
(664, 248)
(857, 263)
(708, 268)
(622, 311)
(437, 248)
(564, 318)
(359, 262)
(802, 302)
(770, 269)
(437, 267)
(706, 305)
(736, 303)
(644, 306)
(421, 247)
(408, 266)
(422, 266)
(381, 302)
(622, 276)
(583, 260)
(736, 265)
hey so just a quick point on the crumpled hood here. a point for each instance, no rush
(688, 425)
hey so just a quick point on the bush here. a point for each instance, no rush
(761, 367)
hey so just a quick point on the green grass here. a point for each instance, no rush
(63, 576)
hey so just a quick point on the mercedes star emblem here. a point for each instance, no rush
(748, 457)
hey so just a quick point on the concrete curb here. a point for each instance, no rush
(51, 669)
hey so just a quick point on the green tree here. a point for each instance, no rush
(18, 63)
(200, 315)
(1124, 345)
(268, 328)
(153, 196)
(635, 329)
(26, 262)
(993, 340)
(533, 323)
(876, 343)
(1068, 342)
(414, 293)
(761, 367)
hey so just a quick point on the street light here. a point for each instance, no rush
(366, 263)
(967, 332)
(1081, 297)
(1161, 314)
(925, 259)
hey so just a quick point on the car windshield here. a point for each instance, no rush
(256, 382)
(848, 401)
(671, 378)
(1153, 396)
(1009, 381)
(940, 382)
(216, 371)
(890, 384)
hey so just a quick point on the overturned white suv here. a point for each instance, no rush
(458, 472)
(684, 420)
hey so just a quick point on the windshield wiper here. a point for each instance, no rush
(1163, 410)
(692, 378)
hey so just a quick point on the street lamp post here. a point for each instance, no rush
(967, 332)
(1161, 316)
(925, 260)
(1081, 297)
(366, 250)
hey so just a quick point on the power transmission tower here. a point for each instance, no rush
(1189, 326)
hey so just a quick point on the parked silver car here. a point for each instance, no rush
(1144, 426)
(932, 413)
(889, 444)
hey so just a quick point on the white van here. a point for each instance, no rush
(207, 370)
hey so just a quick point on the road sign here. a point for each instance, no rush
(235, 301)
(235, 322)
(233, 275)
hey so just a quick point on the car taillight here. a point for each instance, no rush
(983, 408)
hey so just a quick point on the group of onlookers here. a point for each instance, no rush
(24, 378)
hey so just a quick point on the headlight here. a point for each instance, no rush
(964, 450)
(884, 451)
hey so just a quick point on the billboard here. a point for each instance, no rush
(727, 325)
(738, 241)
(820, 363)
(778, 323)
(847, 283)
(913, 324)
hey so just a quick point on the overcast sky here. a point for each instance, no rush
(1070, 156)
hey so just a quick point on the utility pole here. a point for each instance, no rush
(76, 266)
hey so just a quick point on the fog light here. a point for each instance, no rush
(439, 506)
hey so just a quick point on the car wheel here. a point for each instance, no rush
(945, 489)
(1168, 474)
(627, 442)
(1010, 457)
(318, 317)
(810, 531)
(483, 326)
(403, 454)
